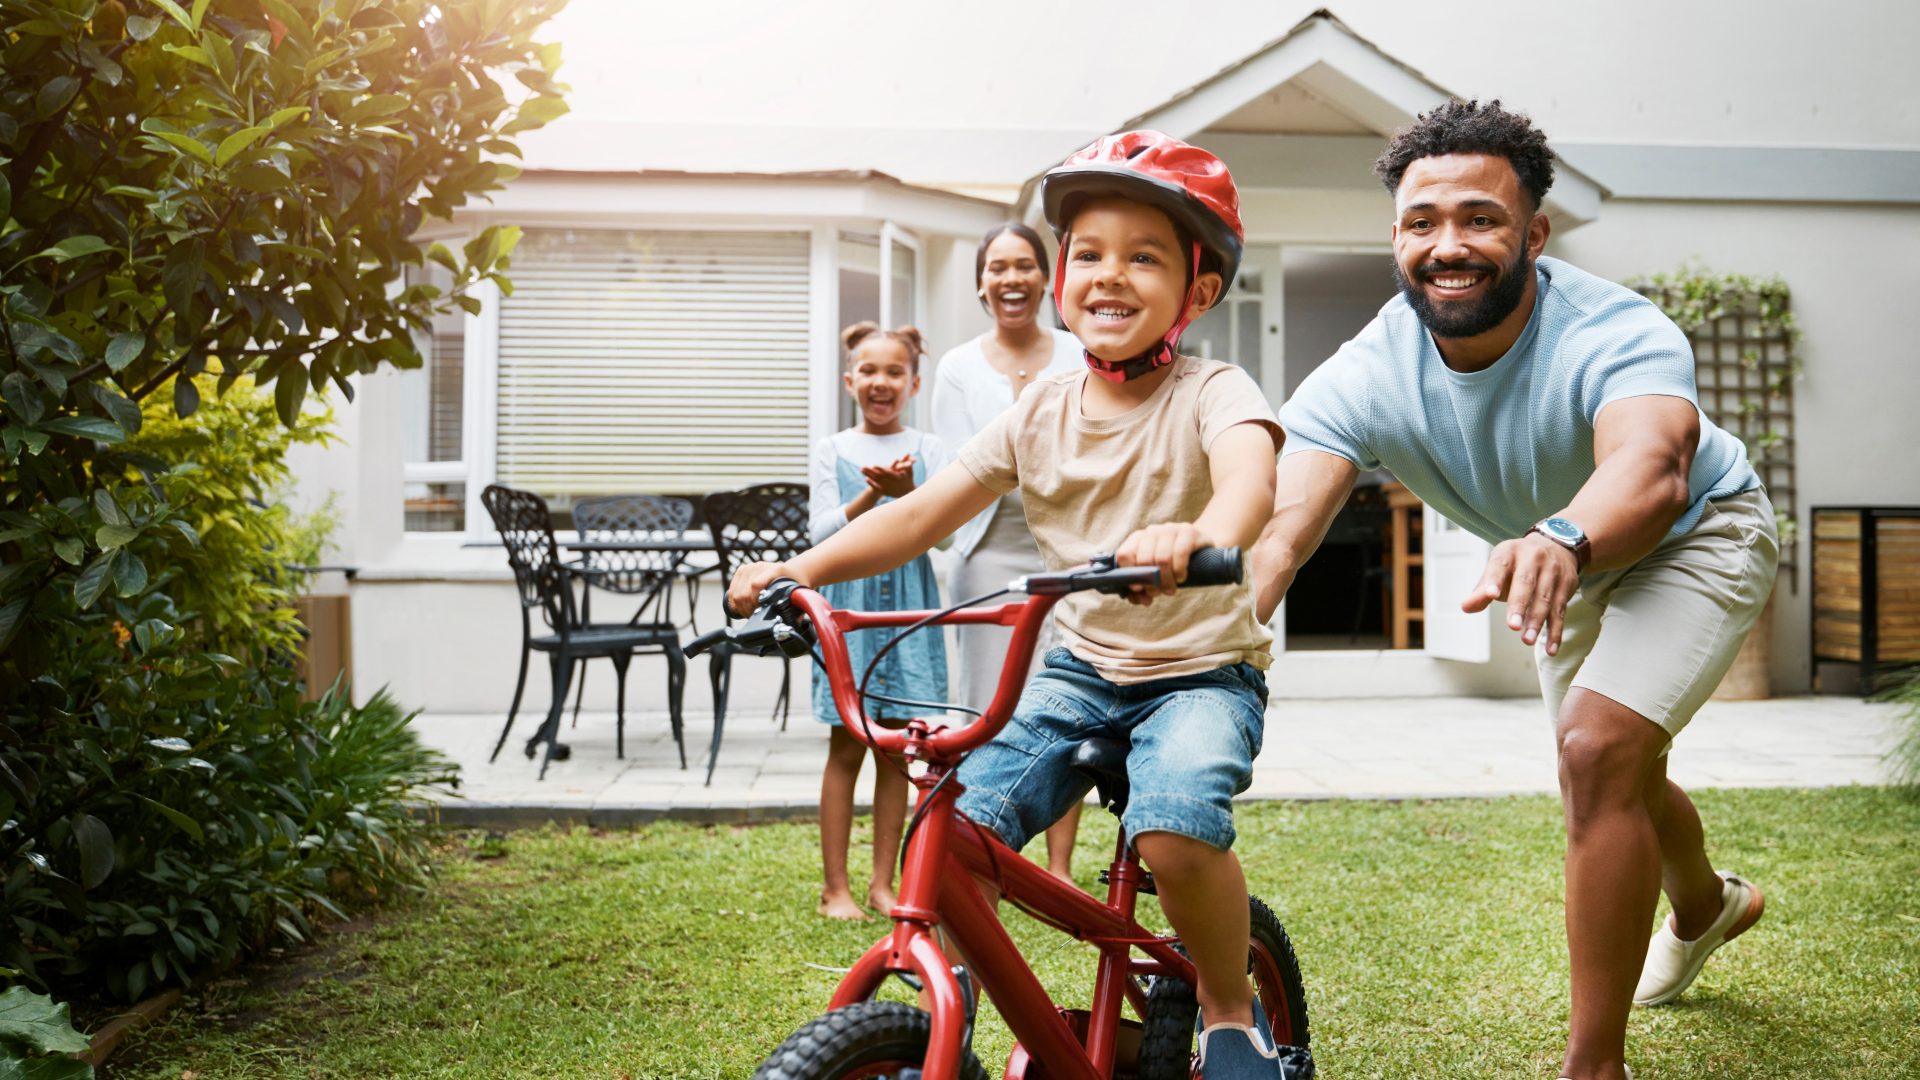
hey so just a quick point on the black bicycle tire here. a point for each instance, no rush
(1167, 1041)
(867, 1033)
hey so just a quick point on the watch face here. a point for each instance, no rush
(1563, 530)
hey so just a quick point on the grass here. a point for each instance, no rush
(1430, 935)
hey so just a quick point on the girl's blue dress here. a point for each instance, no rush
(916, 669)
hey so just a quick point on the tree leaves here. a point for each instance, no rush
(375, 107)
(55, 94)
(129, 573)
(123, 350)
(181, 821)
(289, 390)
(109, 537)
(124, 413)
(92, 582)
(85, 427)
(232, 146)
(186, 398)
(194, 147)
(95, 842)
(73, 247)
(179, 14)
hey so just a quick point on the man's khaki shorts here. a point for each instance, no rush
(1658, 636)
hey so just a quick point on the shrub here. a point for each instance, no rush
(197, 806)
(1903, 761)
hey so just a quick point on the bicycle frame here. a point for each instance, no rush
(947, 851)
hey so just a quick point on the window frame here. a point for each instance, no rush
(480, 401)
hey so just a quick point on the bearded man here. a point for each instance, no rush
(1554, 414)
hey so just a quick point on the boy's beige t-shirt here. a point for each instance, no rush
(1088, 484)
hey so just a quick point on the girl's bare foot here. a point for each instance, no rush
(881, 898)
(1064, 876)
(840, 905)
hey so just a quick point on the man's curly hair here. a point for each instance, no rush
(1468, 127)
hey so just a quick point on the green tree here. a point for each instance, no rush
(231, 188)
(192, 193)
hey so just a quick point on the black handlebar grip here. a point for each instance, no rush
(1213, 566)
(704, 642)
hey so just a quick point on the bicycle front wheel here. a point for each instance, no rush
(883, 1040)
(1167, 1045)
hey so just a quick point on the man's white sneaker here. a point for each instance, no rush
(1672, 964)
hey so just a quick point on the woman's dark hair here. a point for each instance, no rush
(1020, 230)
(1468, 127)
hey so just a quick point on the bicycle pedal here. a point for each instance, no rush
(1146, 881)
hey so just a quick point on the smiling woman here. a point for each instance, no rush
(975, 382)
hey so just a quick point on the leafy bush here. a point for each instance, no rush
(201, 806)
(194, 198)
(1903, 762)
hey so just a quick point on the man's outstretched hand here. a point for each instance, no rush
(1536, 577)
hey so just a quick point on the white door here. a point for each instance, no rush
(1453, 560)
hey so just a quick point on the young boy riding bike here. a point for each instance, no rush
(1149, 455)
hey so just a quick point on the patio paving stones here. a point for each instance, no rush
(1374, 748)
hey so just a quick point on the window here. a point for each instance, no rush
(1230, 330)
(433, 424)
(670, 362)
(879, 282)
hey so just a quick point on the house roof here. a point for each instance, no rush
(545, 195)
(1331, 90)
(837, 176)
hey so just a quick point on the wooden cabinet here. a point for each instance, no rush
(1866, 588)
(1406, 560)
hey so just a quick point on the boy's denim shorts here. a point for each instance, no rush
(1193, 738)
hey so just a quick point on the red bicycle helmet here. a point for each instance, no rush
(1188, 184)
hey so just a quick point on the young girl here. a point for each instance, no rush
(876, 461)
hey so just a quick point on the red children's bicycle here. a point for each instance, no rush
(945, 851)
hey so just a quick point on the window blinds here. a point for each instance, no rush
(653, 362)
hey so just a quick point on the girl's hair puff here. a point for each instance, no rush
(907, 336)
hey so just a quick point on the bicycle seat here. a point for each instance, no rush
(1104, 761)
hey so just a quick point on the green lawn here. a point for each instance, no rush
(1429, 933)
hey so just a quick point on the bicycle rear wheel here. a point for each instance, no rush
(1167, 1046)
(871, 1039)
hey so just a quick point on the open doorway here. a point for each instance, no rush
(1361, 589)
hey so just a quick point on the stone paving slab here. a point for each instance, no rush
(1359, 748)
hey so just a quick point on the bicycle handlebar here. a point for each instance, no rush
(790, 619)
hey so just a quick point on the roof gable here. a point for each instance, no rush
(1324, 82)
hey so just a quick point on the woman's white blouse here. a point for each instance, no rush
(968, 393)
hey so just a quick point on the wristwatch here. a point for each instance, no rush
(1567, 535)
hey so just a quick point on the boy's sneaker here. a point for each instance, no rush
(1239, 1052)
(1672, 964)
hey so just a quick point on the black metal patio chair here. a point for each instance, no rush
(526, 528)
(765, 522)
(647, 575)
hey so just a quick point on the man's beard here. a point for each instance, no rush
(1467, 318)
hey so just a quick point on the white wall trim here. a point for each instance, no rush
(1800, 174)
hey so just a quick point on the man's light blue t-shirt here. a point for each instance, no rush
(1499, 449)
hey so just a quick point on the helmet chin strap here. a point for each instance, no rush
(1160, 354)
